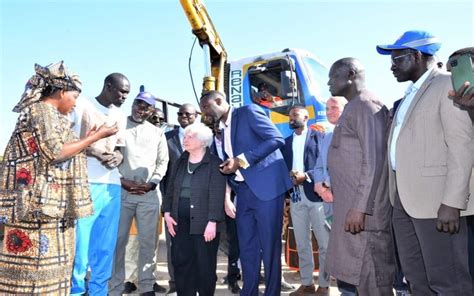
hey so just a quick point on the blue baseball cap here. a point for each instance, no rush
(146, 97)
(418, 40)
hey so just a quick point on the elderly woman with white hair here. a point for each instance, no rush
(194, 209)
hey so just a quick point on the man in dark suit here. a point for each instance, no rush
(259, 177)
(306, 207)
(186, 115)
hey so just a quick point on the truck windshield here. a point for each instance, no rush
(318, 77)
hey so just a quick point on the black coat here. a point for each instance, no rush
(207, 192)
(174, 152)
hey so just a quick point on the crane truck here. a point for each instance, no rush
(275, 80)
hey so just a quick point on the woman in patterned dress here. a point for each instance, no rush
(43, 186)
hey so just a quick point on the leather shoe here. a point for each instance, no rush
(322, 291)
(129, 287)
(304, 290)
(158, 289)
(149, 293)
(171, 290)
(234, 288)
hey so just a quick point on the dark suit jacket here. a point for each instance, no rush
(310, 155)
(254, 135)
(207, 194)
(175, 150)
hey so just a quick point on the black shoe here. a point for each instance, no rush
(149, 293)
(234, 288)
(129, 287)
(225, 279)
(158, 289)
(171, 290)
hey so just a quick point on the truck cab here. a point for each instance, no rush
(277, 81)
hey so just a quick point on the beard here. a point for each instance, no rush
(296, 124)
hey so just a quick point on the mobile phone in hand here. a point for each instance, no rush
(461, 71)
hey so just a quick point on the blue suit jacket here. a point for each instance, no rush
(310, 155)
(254, 135)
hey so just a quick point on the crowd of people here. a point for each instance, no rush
(385, 192)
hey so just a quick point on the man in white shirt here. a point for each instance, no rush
(306, 207)
(96, 235)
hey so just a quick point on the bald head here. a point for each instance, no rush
(351, 65)
(114, 78)
(346, 78)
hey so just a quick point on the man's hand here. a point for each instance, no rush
(143, 188)
(462, 97)
(297, 177)
(327, 196)
(229, 166)
(170, 223)
(210, 231)
(323, 191)
(112, 159)
(134, 187)
(355, 221)
(448, 219)
(103, 131)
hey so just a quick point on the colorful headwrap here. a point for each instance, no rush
(54, 75)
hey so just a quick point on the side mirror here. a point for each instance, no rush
(289, 87)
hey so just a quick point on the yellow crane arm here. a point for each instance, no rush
(214, 51)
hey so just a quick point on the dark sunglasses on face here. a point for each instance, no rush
(187, 114)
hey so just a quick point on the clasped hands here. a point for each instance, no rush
(136, 188)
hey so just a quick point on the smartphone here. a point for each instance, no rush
(461, 71)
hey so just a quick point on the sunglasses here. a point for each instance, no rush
(187, 114)
(395, 59)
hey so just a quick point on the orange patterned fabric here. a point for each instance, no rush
(39, 202)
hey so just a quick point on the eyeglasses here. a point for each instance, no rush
(157, 119)
(187, 114)
(394, 60)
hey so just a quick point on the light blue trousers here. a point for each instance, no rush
(96, 237)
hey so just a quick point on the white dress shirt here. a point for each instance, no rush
(410, 93)
(298, 150)
(227, 126)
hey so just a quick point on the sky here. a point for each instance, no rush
(150, 40)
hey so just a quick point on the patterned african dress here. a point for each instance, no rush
(39, 202)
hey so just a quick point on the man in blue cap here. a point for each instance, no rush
(430, 166)
(145, 160)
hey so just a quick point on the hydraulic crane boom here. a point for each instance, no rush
(215, 55)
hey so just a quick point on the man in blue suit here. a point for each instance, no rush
(306, 207)
(259, 176)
